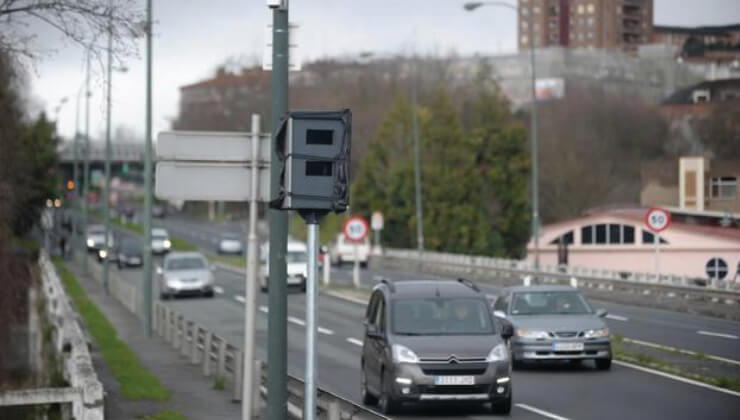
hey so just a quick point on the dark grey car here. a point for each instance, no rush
(554, 323)
(434, 341)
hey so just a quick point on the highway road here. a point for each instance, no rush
(541, 391)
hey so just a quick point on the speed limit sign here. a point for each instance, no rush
(657, 219)
(355, 229)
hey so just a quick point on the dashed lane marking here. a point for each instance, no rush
(618, 318)
(239, 298)
(541, 412)
(715, 334)
(297, 321)
(355, 341)
(218, 290)
(326, 331)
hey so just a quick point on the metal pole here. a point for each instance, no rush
(309, 411)
(75, 174)
(535, 153)
(657, 257)
(86, 166)
(106, 191)
(356, 267)
(277, 323)
(146, 286)
(417, 166)
(250, 287)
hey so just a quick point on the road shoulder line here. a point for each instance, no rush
(677, 378)
(540, 412)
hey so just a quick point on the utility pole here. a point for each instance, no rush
(417, 164)
(106, 191)
(146, 284)
(535, 153)
(277, 323)
(86, 166)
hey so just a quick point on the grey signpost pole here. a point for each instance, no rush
(309, 411)
(106, 191)
(86, 165)
(277, 323)
(146, 284)
(250, 287)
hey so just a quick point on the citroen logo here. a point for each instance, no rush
(452, 359)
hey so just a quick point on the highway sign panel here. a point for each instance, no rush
(209, 181)
(376, 221)
(356, 229)
(657, 219)
(210, 146)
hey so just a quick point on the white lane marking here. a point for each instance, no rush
(540, 412)
(714, 334)
(618, 318)
(683, 351)
(677, 378)
(239, 298)
(355, 341)
(218, 290)
(297, 321)
(326, 331)
(263, 309)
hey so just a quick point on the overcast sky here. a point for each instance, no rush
(193, 36)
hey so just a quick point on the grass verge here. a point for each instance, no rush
(165, 415)
(135, 380)
(232, 260)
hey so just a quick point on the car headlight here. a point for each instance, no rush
(535, 334)
(90, 243)
(402, 354)
(498, 354)
(166, 243)
(103, 254)
(602, 332)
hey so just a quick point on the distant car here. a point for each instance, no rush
(94, 238)
(297, 265)
(185, 274)
(158, 211)
(230, 243)
(128, 253)
(161, 243)
(344, 251)
(433, 342)
(554, 323)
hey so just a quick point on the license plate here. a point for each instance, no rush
(567, 346)
(454, 380)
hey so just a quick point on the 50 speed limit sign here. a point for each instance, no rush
(657, 219)
(355, 229)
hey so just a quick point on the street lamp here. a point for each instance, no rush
(471, 6)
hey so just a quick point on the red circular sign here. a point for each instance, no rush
(657, 219)
(355, 228)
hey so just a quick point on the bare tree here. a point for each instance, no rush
(84, 22)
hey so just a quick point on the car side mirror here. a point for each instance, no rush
(507, 329)
(601, 313)
(499, 314)
(324, 249)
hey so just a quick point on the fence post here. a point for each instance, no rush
(333, 411)
(207, 354)
(221, 358)
(187, 338)
(238, 376)
(168, 325)
(178, 331)
(194, 347)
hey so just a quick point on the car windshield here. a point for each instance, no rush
(296, 257)
(130, 246)
(230, 235)
(159, 237)
(441, 316)
(186, 263)
(549, 303)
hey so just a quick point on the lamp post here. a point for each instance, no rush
(147, 280)
(471, 6)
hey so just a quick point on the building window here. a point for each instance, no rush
(600, 234)
(525, 24)
(723, 188)
(587, 235)
(628, 234)
(568, 238)
(590, 8)
(536, 10)
(716, 268)
(648, 238)
(581, 9)
(525, 40)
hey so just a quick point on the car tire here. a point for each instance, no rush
(363, 264)
(603, 364)
(367, 397)
(502, 407)
(164, 296)
(386, 402)
(208, 294)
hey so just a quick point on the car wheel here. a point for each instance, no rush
(603, 364)
(363, 264)
(367, 397)
(386, 402)
(208, 294)
(163, 296)
(502, 407)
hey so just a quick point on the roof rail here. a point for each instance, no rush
(468, 283)
(388, 282)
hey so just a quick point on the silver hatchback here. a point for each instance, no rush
(554, 323)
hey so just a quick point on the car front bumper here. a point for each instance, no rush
(492, 382)
(189, 291)
(527, 349)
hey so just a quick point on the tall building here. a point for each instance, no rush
(607, 24)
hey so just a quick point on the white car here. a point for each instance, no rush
(343, 251)
(230, 243)
(183, 274)
(161, 243)
(297, 265)
(94, 238)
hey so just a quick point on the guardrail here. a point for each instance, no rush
(85, 392)
(673, 294)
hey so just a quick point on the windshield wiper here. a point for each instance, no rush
(410, 333)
